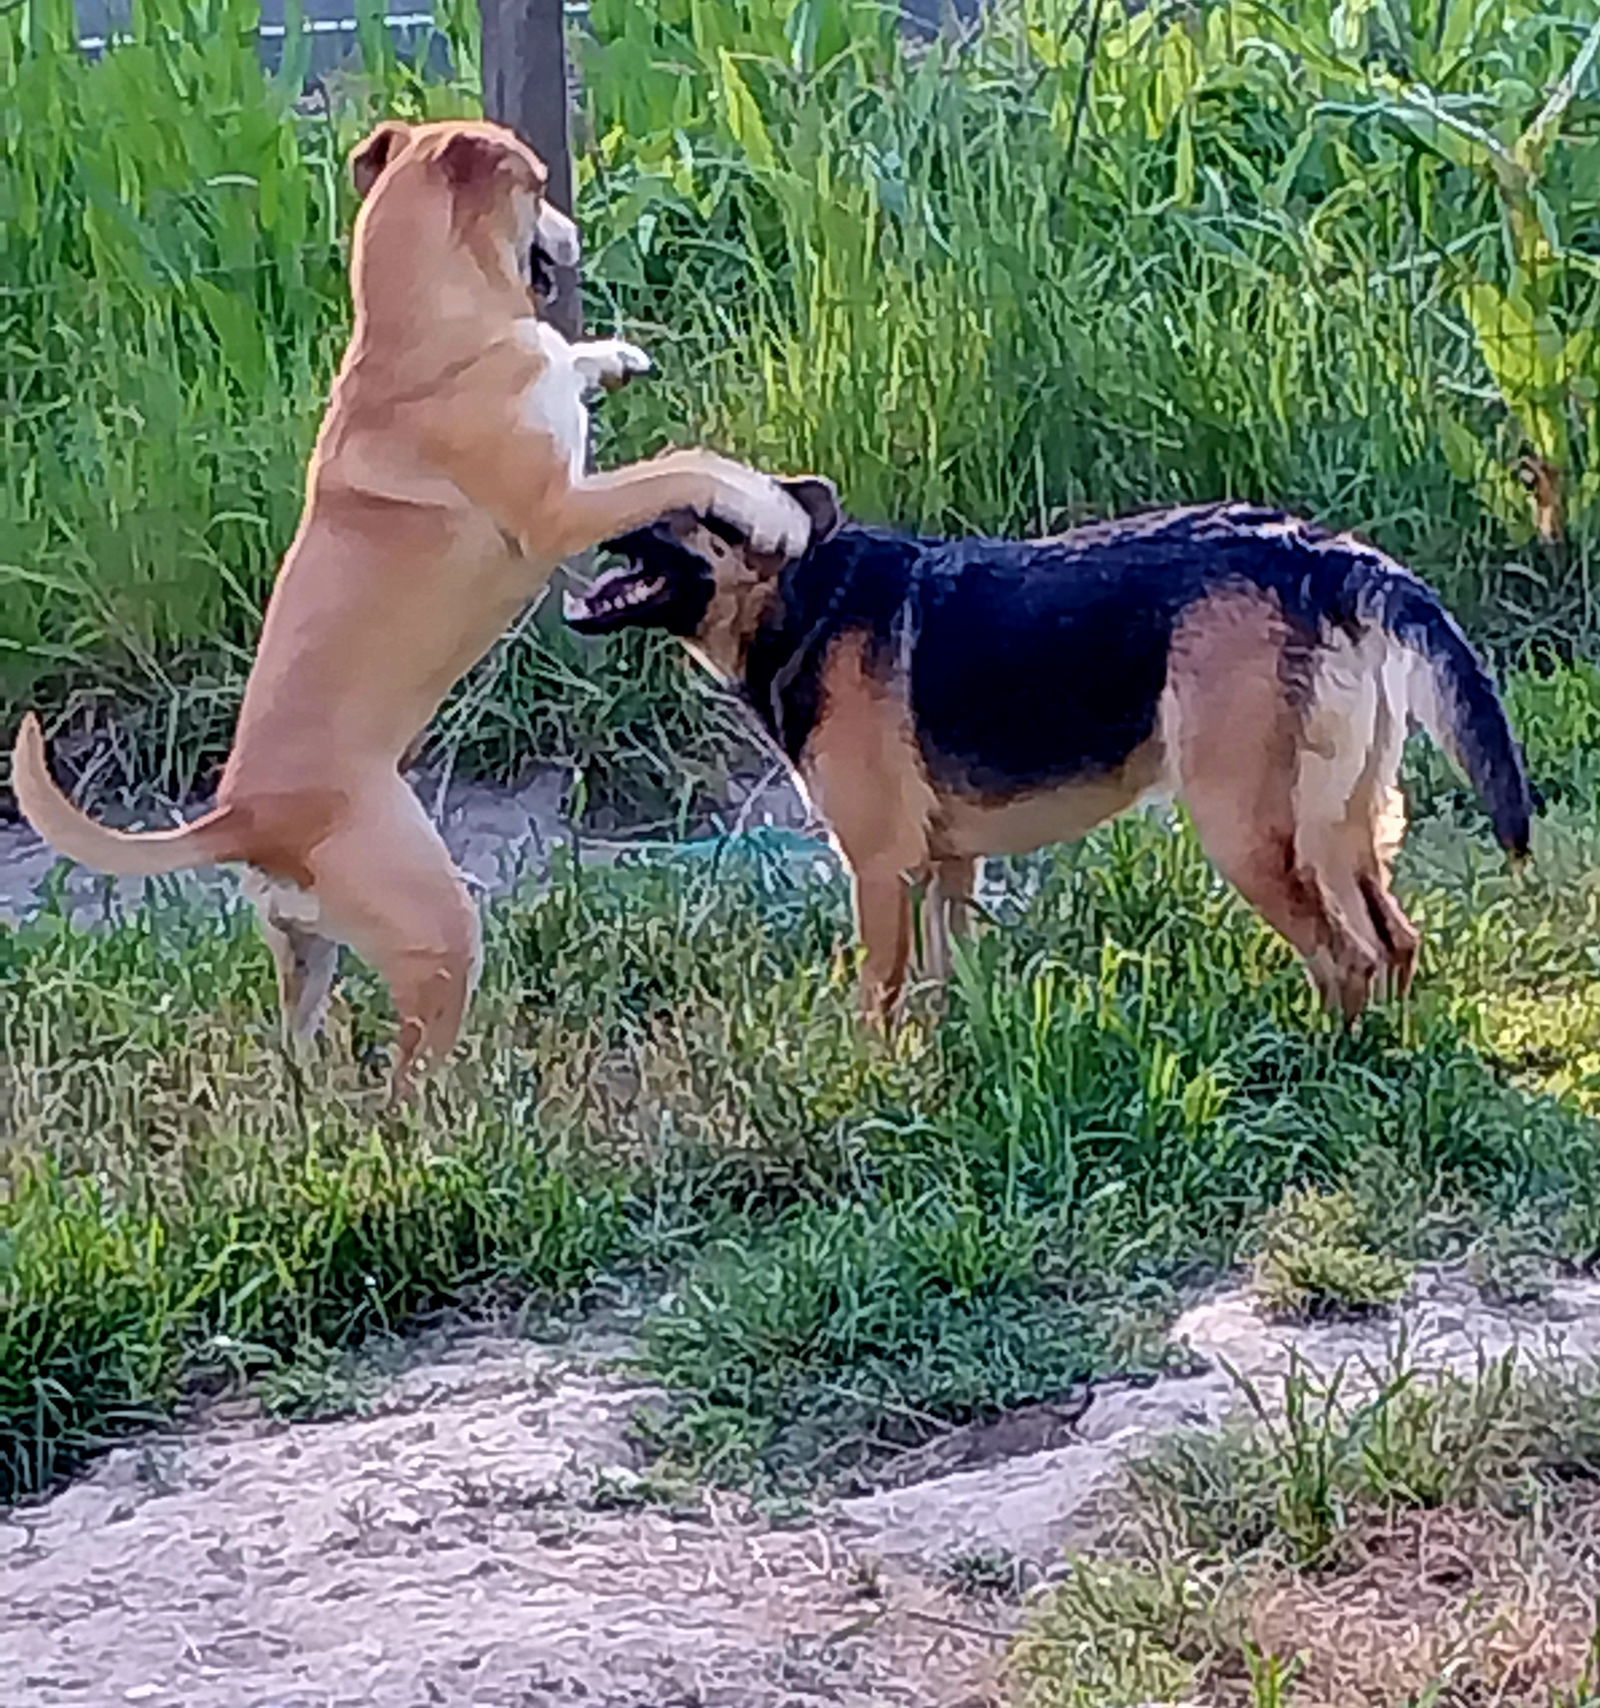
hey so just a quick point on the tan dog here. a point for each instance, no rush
(446, 486)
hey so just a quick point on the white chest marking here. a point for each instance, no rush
(554, 403)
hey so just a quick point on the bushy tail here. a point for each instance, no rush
(72, 832)
(1454, 698)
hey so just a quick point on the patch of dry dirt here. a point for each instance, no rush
(473, 1540)
(1499, 1608)
(462, 1546)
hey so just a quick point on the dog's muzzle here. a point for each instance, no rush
(556, 246)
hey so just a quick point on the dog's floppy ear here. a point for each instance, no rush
(368, 161)
(473, 158)
(819, 499)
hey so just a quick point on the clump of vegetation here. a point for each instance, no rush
(1378, 1537)
(1121, 1633)
(1312, 1259)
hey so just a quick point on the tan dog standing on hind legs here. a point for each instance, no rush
(446, 486)
(943, 700)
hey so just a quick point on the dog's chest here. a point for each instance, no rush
(555, 402)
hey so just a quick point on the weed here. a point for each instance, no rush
(1118, 1632)
(1510, 1264)
(316, 1382)
(1310, 1260)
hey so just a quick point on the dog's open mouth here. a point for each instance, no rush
(623, 597)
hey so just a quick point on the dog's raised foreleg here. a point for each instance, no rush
(603, 507)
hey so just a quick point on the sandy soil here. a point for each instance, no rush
(476, 1540)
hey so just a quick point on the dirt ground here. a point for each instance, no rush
(498, 836)
(478, 1538)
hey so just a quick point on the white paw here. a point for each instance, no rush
(610, 362)
(631, 360)
(775, 523)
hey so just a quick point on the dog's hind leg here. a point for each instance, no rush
(948, 911)
(1349, 812)
(1353, 860)
(306, 961)
(389, 886)
(1402, 942)
(307, 964)
(1236, 739)
(1260, 862)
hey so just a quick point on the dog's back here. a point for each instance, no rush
(950, 699)
(1028, 664)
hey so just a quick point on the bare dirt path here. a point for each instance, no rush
(477, 1540)
(470, 1544)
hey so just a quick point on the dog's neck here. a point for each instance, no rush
(859, 575)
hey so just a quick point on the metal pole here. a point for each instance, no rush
(525, 87)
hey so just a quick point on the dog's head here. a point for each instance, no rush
(697, 578)
(496, 188)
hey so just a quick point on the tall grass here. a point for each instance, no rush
(1339, 256)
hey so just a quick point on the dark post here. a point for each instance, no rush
(525, 87)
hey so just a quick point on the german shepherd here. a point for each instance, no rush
(943, 700)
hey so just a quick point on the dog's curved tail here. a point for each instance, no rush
(70, 830)
(1453, 697)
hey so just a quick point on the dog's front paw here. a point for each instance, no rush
(776, 523)
(611, 362)
(631, 361)
(769, 518)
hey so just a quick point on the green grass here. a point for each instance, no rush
(847, 1246)
(1087, 261)
(1431, 1528)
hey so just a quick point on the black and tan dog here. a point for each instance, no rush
(946, 700)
